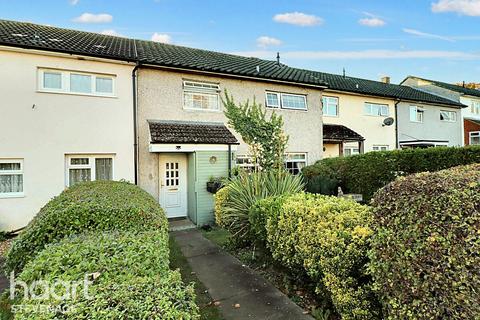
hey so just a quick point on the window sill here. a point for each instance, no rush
(287, 109)
(419, 122)
(12, 195)
(201, 110)
(78, 94)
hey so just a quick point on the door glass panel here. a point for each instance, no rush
(171, 174)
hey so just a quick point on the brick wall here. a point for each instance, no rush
(469, 126)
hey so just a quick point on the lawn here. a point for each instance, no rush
(299, 289)
(208, 311)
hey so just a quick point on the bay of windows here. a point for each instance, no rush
(62, 81)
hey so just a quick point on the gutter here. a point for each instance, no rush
(397, 143)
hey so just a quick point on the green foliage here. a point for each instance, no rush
(425, 257)
(263, 211)
(329, 238)
(133, 280)
(265, 136)
(244, 191)
(98, 205)
(221, 197)
(369, 172)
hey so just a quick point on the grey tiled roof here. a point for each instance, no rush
(452, 87)
(190, 132)
(34, 36)
(336, 132)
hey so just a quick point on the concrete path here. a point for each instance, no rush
(232, 284)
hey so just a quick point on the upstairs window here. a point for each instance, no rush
(286, 101)
(474, 138)
(11, 178)
(73, 82)
(476, 107)
(448, 116)
(416, 114)
(295, 162)
(330, 106)
(201, 96)
(88, 168)
(375, 109)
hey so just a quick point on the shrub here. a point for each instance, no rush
(99, 205)
(425, 253)
(369, 172)
(221, 197)
(132, 280)
(329, 238)
(245, 190)
(263, 211)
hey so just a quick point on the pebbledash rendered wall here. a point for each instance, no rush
(42, 128)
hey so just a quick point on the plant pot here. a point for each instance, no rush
(214, 186)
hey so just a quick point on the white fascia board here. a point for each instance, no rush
(189, 147)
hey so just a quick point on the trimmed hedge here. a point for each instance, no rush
(367, 173)
(425, 252)
(98, 205)
(328, 237)
(132, 280)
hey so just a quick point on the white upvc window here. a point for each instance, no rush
(295, 162)
(76, 82)
(11, 178)
(474, 138)
(416, 114)
(380, 148)
(286, 100)
(201, 96)
(448, 116)
(245, 162)
(350, 151)
(375, 109)
(475, 107)
(330, 106)
(82, 168)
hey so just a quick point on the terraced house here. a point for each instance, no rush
(81, 106)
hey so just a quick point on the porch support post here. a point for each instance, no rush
(229, 160)
(340, 149)
(361, 147)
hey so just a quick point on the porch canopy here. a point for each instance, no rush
(338, 134)
(188, 136)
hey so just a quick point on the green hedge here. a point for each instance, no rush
(367, 173)
(99, 205)
(132, 279)
(425, 252)
(328, 237)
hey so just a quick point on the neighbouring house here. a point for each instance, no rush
(66, 114)
(361, 115)
(81, 106)
(468, 118)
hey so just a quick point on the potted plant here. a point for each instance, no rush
(214, 184)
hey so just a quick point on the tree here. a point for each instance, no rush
(264, 135)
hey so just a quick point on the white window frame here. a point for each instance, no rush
(380, 105)
(417, 110)
(450, 112)
(91, 165)
(13, 172)
(471, 134)
(326, 103)
(352, 150)
(379, 147)
(290, 154)
(201, 88)
(65, 89)
(248, 165)
(475, 107)
(280, 96)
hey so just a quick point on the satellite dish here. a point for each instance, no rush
(388, 122)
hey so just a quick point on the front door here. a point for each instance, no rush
(173, 184)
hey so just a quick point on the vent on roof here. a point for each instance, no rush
(99, 46)
(18, 35)
(55, 40)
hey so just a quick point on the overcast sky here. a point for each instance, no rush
(438, 39)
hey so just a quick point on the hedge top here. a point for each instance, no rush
(98, 205)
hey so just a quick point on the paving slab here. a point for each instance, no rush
(233, 284)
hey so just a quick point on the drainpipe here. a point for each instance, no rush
(397, 146)
(229, 160)
(135, 140)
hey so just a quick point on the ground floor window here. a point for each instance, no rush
(11, 178)
(295, 162)
(474, 138)
(88, 168)
(380, 148)
(350, 151)
(245, 162)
